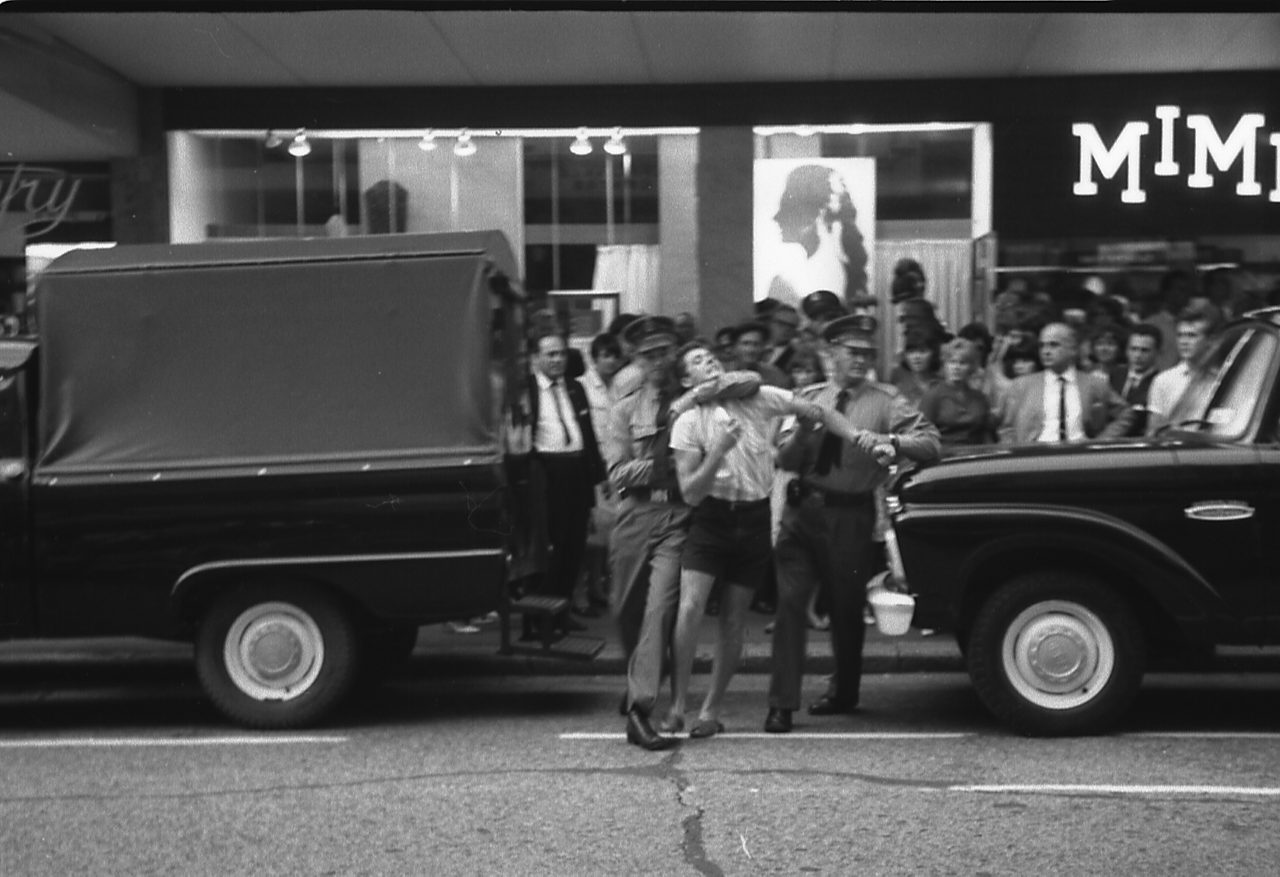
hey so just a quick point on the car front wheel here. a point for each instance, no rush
(1055, 654)
(278, 657)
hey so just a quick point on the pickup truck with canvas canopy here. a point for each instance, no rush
(289, 453)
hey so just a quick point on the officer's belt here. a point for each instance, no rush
(836, 498)
(646, 494)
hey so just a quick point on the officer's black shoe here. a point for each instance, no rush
(829, 706)
(641, 733)
(778, 721)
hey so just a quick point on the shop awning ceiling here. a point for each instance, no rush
(476, 47)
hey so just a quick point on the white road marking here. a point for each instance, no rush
(1111, 789)
(1207, 735)
(126, 742)
(793, 735)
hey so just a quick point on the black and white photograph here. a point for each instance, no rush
(639, 438)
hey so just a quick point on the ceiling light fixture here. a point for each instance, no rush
(614, 145)
(464, 146)
(581, 145)
(428, 141)
(300, 146)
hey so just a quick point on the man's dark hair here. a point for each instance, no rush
(695, 344)
(1149, 331)
(605, 343)
(1208, 314)
(979, 334)
(618, 323)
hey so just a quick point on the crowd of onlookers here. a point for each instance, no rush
(648, 482)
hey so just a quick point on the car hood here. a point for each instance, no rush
(1040, 472)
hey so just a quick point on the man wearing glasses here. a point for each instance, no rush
(828, 524)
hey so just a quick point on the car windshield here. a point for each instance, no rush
(1228, 384)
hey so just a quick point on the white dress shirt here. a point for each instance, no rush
(1166, 389)
(1053, 388)
(555, 409)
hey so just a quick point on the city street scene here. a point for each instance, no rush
(441, 439)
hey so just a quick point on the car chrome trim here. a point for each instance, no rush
(1058, 513)
(333, 558)
(1219, 510)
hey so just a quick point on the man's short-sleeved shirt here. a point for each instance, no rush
(746, 472)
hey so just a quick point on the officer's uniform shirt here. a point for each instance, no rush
(872, 406)
(634, 441)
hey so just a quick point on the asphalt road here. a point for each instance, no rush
(532, 776)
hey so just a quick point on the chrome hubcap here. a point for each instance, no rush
(274, 651)
(1058, 654)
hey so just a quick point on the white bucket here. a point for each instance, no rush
(893, 611)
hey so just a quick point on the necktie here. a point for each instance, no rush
(830, 452)
(555, 395)
(1129, 383)
(1062, 408)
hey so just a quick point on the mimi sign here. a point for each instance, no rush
(1235, 155)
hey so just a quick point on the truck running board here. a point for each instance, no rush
(541, 636)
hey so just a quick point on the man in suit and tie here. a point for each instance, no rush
(565, 448)
(1062, 403)
(1133, 381)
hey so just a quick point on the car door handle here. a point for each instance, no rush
(1219, 510)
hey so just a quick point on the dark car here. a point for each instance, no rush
(1066, 570)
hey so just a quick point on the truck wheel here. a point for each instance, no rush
(279, 657)
(1055, 653)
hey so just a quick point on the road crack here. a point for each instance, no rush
(692, 847)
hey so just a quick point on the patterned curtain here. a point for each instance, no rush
(632, 271)
(948, 272)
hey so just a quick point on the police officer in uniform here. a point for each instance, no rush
(827, 527)
(652, 521)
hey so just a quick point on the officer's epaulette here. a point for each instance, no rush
(633, 391)
(887, 389)
(811, 391)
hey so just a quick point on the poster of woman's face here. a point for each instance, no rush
(814, 226)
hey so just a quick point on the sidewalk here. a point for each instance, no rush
(477, 653)
(439, 650)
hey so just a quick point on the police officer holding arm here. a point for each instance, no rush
(828, 523)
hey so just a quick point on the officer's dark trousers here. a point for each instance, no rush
(819, 543)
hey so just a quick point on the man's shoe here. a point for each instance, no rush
(829, 706)
(778, 721)
(641, 733)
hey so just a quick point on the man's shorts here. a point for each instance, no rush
(730, 541)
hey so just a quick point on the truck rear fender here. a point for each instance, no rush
(408, 587)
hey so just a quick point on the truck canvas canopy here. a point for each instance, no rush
(159, 357)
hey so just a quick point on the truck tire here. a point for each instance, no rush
(276, 657)
(1054, 654)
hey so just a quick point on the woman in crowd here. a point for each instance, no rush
(1106, 348)
(961, 413)
(917, 371)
